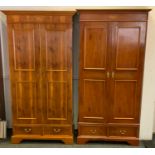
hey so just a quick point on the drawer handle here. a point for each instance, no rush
(27, 130)
(56, 130)
(93, 131)
(122, 132)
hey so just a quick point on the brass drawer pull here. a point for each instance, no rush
(93, 131)
(122, 132)
(27, 130)
(56, 130)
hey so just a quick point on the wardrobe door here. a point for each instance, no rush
(24, 56)
(127, 71)
(94, 72)
(56, 43)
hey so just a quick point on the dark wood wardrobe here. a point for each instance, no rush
(112, 49)
(2, 103)
(40, 55)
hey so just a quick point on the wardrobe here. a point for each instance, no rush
(111, 62)
(112, 49)
(40, 57)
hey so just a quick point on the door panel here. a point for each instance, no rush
(56, 42)
(57, 100)
(93, 89)
(24, 65)
(127, 71)
(125, 99)
(56, 58)
(128, 46)
(24, 47)
(26, 100)
(91, 110)
(94, 47)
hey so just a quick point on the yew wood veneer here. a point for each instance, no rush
(40, 56)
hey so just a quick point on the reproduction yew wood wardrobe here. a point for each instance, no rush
(40, 54)
(112, 47)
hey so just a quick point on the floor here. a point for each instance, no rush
(58, 144)
(150, 143)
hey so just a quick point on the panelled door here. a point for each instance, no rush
(56, 43)
(94, 75)
(25, 73)
(126, 71)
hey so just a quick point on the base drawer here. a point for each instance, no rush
(92, 130)
(58, 130)
(29, 130)
(123, 131)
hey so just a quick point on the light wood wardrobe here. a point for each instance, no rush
(40, 55)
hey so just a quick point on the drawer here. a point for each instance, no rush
(29, 130)
(123, 131)
(58, 130)
(93, 130)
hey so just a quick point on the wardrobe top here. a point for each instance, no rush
(10, 12)
(85, 15)
(15, 12)
(114, 15)
(114, 10)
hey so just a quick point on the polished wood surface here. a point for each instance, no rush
(112, 47)
(40, 51)
(2, 103)
(93, 72)
(116, 15)
(127, 69)
(57, 72)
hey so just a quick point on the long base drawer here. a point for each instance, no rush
(28, 130)
(92, 130)
(123, 131)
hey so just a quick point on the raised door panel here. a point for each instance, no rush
(128, 46)
(24, 47)
(56, 42)
(94, 47)
(94, 101)
(125, 99)
(127, 71)
(57, 100)
(56, 56)
(93, 89)
(25, 73)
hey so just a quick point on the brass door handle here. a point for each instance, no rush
(113, 74)
(108, 75)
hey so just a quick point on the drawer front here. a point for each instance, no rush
(28, 130)
(92, 130)
(58, 130)
(123, 131)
